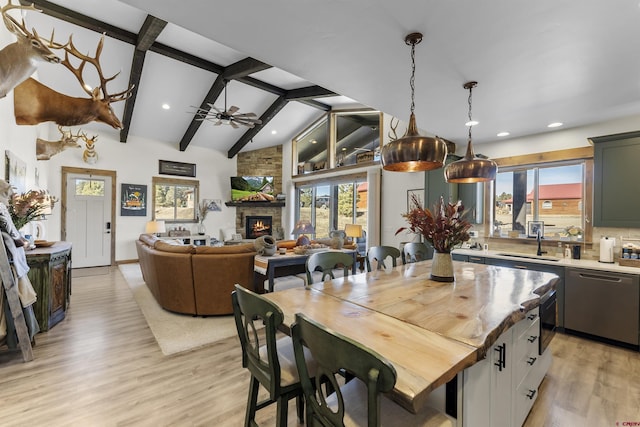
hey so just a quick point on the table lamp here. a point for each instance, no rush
(155, 227)
(303, 227)
(353, 230)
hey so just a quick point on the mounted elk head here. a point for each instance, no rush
(18, 60)
(90, 155)
(36, 103)
(47, 149)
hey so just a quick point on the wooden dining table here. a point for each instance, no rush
(430, 331)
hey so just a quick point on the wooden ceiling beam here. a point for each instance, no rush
(266, 117)
(151, 29)
(309, 92)
(210, 98)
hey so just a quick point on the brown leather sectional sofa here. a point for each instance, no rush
(194, 279)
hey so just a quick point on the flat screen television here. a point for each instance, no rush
(252, 189)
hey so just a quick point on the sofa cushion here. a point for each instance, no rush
(163, 246)
(148, 239)
(229, 249)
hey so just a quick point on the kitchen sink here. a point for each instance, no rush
(554, 259)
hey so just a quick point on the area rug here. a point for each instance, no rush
(175, 333)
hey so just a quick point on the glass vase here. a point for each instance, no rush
(202, 230)
(442, 267)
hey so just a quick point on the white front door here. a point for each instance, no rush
(88, 219)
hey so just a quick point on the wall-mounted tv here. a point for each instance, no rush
(252, 189)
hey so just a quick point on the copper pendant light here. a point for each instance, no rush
(413, 152)
(470, 168)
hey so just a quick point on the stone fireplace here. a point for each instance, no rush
(256, 226)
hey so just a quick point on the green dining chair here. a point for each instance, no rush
(416, 251)
(269, 359)
(360, 401)
(379, 254)
(326, 263)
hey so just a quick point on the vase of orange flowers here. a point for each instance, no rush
(444, 229)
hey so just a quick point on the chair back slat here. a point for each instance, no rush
(379, 254)
(326, 262)
(416, 251)
(336, 355)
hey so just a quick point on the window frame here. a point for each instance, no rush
(157, 180)
(549, 158)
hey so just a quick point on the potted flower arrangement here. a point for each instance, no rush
(29, 206)
(444, 228)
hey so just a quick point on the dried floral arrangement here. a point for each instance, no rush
(30, 206)
(443, 230)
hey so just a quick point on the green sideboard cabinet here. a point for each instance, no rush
(50, 275)
(616, 202)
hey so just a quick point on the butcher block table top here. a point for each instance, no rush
(430, 331)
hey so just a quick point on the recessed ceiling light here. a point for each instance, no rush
(503, 134)
(554, 125)
(471, 123)
(273, 132)
(165, 106)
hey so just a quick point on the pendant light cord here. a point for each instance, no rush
(470, 119)
(412, 81)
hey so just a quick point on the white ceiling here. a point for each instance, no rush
(574, 62)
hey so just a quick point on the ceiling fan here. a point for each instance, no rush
(227, 116)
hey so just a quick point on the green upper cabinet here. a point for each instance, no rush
(470, 194)
(616, 201)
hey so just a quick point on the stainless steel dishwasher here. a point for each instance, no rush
(603, 304)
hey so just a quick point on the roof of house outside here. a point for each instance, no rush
(555, 192)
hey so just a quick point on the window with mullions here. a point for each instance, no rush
(552, 194)
(175, 199)
(330, 206)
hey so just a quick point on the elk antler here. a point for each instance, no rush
(393, 129)
(12, 25)
(70, 48)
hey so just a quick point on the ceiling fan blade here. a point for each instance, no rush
(247, 116)
(218, 123)
(217, 109)
(232, 110)
(233, 124)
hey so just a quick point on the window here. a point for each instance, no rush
(552, 193)
(339, 139)
(175, 199)
(333, 204)
(89, 187)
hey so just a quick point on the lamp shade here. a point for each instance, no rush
(303, 227)
(353, 230)
(155, 227)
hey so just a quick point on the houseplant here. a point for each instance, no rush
(29, 206)
(444, 228)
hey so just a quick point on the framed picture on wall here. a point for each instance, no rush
(166, 167)
(213, 205)
(418, 193)
(15, 172)
(133, 200)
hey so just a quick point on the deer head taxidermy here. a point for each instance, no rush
(47, 149)
(89, 155)
(36, 103)
(18, 60)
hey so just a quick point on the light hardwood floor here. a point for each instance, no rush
(101, 366)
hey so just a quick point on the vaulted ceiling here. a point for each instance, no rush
(536, 63)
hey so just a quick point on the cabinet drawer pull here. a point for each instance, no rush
(532, 360)
(598, 277)
(531, 394)
(532, 316)
(523, 267)
(532, 338)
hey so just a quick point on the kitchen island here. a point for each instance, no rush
(439, 336)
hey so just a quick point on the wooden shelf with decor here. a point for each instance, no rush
(274, 204)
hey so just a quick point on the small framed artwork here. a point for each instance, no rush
(418, 193)
(134, 200)
(15, 172)
(535, 227)
(213, 205)
(176, 168)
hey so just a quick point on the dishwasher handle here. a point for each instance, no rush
(599, 277)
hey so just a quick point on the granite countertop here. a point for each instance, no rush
(551, 260)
